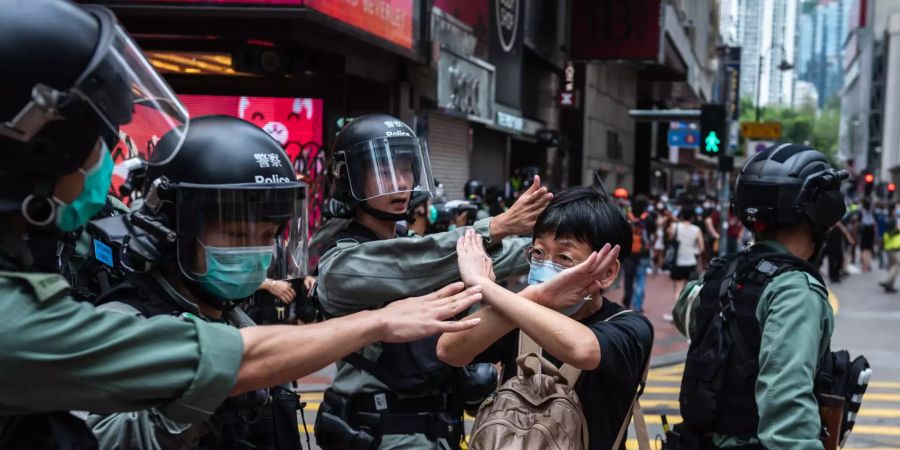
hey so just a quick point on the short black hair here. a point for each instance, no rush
(687, 212)
(586, 215)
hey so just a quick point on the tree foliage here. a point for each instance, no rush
(804, 125)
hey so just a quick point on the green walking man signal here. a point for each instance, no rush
(713, 128)
(712, 143)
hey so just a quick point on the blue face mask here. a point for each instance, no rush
(545, 270)
(92, 197)
(233, 273)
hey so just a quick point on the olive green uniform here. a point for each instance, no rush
(359, 276)
(59, 355)
(797, 322)
(150, 429)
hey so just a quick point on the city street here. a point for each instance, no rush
(866, 324)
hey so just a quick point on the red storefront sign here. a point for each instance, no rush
(615, 29)
(389, 19)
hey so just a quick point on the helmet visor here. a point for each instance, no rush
(237, 220)
(125, 91)
(385, 166)
(121, 87)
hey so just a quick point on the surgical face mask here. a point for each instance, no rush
(233, 273)
(545, 270)
(92, 197)
(698, 210)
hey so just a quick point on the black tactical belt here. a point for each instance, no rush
(432, 424)
(387, 402)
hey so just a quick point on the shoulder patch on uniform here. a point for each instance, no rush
(44, 285)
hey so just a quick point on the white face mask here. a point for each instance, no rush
(545, 270)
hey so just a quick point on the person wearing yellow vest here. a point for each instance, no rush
(891, 242)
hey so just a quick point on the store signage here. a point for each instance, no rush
(761, 130)
(388, 19)
(506, 51)
(465, 86)
(510, 121)
(616, 29)
(568, 98)
(391, 20)
(507, 22)
(732, 82)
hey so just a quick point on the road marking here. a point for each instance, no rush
(875, 429)
(665, 378)
(884, 384)
(653, 403)
(879, 397)
(833, 300)
(669, 390)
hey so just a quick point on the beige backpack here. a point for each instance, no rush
(539, 409)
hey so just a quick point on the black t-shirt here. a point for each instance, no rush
(607, 391)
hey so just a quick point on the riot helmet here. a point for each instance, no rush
(71, 77)
(786, 185)
(474, 190)
(232, 197)
(378, 155)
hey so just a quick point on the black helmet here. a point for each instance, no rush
(381, 149)
(225, 189)
(474, 191)
(71, 75)
(786, 185)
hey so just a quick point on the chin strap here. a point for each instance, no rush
(381, 215)
(819, 238)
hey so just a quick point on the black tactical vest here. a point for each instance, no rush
(718, 387)
(265, 419)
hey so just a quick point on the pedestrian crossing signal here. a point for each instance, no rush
(711, 143)
(713, 128)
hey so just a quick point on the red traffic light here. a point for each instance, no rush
(892, 187)
(870, 178)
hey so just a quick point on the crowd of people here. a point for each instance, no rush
(132, 327)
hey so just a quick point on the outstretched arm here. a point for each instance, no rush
(355, 276)
(562, 336)
(280, 353)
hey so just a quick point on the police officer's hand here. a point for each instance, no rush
(573, 285)
(280, 289)
(308, 282)
(474, 263)
(415, 318)
(521, 216)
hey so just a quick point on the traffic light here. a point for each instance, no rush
(713, 129)
(891, 187)
(869, 178)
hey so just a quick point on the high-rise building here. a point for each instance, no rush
(822, 28)
(766, 29)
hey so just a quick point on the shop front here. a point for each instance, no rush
(296, 68)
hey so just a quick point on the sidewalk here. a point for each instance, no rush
(669, 346)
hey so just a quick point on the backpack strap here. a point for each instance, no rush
(569, 372)
(640, 425)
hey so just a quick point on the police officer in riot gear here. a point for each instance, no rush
(476, 193)
(231, 197)
(71, 78)
(398, 396)
(760, 321)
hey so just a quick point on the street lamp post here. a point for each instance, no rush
(784, 66)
